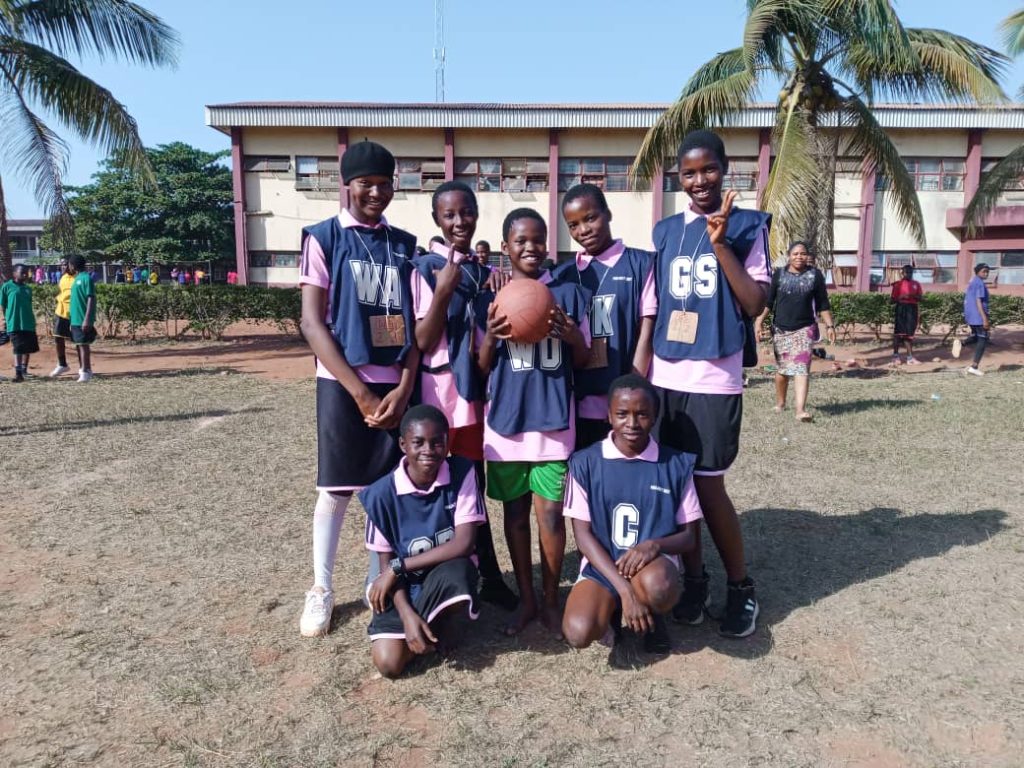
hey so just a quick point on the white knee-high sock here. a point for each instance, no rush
(328, 515)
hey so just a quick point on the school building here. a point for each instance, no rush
(285, 159)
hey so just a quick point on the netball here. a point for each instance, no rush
(527, 304)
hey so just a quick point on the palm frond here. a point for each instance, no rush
(1003, 175)
(84, 106)
(867, 139)
(955, 67)
(103, 28)
(767, 23)
(37, 155)
(795, 180)
(1012, 28)
(875, 26)
(722, 86)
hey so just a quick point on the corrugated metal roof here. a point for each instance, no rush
(274, 114)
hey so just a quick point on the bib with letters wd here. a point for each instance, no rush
(530, 385)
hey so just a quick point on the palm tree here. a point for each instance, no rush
(835, 57)
(36, 36)
(1010, 169)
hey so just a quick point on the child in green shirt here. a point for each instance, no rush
(19, 319)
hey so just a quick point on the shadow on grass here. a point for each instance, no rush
(869, 404)
(94, 423)
(802, 557)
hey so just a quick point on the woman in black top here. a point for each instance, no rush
(796, 297)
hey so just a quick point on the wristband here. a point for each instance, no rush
(397, 566)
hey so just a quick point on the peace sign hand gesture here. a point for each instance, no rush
(718, 222)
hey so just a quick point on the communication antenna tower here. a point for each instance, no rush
(439, 50)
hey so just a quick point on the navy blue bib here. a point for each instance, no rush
(461, 323)
(614, 314)
(369, 271)
(530, 385)
(412, 523)
(687, 277)
(631, 500)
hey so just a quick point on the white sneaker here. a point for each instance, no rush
(316, 616)
(84, 375)
(973, 371)
(58, 371)
(957, 346)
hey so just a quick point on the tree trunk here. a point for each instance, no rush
(6, 257)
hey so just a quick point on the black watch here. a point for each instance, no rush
(397, 566)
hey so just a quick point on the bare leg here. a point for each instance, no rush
(390, 656)
(802, 385)
(657, 585)
(781, 388)
(723, 524)
(85, 358)
(588, 613)
(551, 527)
(517, 535)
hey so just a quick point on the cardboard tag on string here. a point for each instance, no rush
(387, 331)
(598, 353)
(682, 326)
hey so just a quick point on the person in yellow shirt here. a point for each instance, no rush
(62, 319)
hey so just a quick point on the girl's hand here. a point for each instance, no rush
(367, 402)
(448, 276)
(559, 324)
(389, 410)
(497, 280)
(830, 334)
(380, 590)
(635, 614)
(635, 558)
(718, 222)
(418, 635)
(498, 325)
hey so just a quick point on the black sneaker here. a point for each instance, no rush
(658, 639)
(694, 601)
(496, 592)
(741, 610)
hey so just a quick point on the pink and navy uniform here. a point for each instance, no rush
(687, 277)
(406, 520)
(615, 280)
(449, 378)
(368, 270)
(629, 500)
(529, 390)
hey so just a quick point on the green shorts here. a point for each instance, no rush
(508, 480)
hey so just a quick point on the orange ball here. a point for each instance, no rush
(527, 304)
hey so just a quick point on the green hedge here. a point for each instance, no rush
(210, 309)
(205, 309)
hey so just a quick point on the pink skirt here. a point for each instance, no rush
(793, 350)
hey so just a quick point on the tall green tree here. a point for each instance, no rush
(1007, 173)
(36, 39)
(834, 58)
(186, 215)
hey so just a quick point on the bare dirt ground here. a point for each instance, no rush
(154, 548)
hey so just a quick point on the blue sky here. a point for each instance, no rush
(530, 50)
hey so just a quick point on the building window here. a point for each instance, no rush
(503, 174)
(608, 173)
(267, 163)
(275, 259)
(1016, 185)
(1007, 266)
(938, 267)
(418, 175)
(742, 175)
(316, 173)
(931, 174)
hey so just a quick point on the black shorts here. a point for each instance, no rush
(349, 453)
(81, 337)
(452, 581)
(590, 431)
(705, 425)
(61, 327)
(24, 342)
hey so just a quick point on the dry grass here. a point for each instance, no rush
(154, 547)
